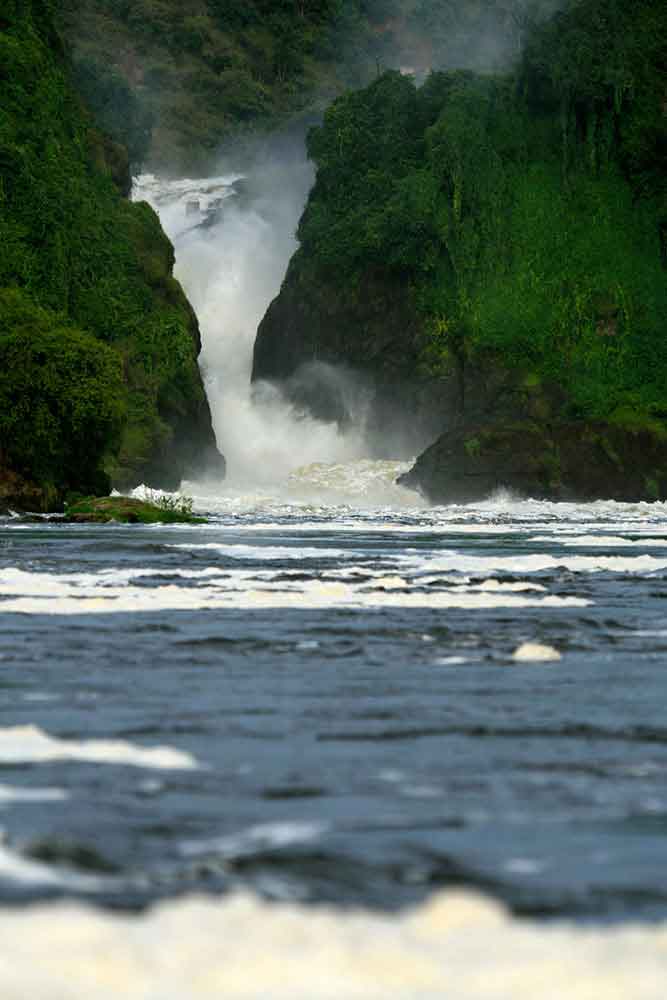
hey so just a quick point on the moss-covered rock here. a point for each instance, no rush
(561, 461)
(128, 510)
(516, 431)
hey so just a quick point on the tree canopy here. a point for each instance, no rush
(527, 212)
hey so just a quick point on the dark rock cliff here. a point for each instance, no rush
(373, 338)
(513, 433)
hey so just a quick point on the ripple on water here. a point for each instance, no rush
(293, 652)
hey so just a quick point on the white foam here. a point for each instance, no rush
(457, 946)
(390, 582)
(516, 587)
(537, 562)
(438, 573)
(259, 837)
(263, 552)
(16, 581)
(242, 594)
(372, 481)
(30, 744)
(9, 794)
(536, 652)
(603, 541)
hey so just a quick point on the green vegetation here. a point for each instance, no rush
(526, 213)
(200, 72)
(519, 220)
(127, 510)
(173, 81)
(98, 345)
(61, 397)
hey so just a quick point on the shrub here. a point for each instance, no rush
(61, 398)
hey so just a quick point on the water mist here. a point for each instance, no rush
(234, 235)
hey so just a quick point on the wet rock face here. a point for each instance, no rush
(512, 431)
(353, 356)
(372, 326)
(574, 460)
(503, 427)
(190, 454)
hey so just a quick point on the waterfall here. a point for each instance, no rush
(233, 236)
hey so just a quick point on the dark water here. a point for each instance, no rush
(346, 683)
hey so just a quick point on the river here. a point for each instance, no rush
(286, 736)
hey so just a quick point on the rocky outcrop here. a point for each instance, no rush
(372, 337)
(557, 461)
(513, 432)
(17, 492)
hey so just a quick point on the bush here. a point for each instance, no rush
(61, 398)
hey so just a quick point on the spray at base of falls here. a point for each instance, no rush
(233, 238)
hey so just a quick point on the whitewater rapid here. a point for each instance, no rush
(332, 704)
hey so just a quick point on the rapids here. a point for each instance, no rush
(353, 700)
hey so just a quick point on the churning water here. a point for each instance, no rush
(357, 704)
(334, 694)
(233, 238)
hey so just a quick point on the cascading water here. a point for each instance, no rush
(233, 238)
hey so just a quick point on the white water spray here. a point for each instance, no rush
(233, 239)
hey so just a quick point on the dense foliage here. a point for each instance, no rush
(528, 213)
(83, 259)
(172, 81)
(61, 398)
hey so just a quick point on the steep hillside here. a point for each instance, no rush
(173, 82)
(525, 219)
(98, 345)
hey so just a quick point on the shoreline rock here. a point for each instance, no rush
(564, 460)
(128, 510)
(114, 510)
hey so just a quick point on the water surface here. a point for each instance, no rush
(322, 701)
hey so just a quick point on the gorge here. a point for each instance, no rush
(275, 724)
(482, 255)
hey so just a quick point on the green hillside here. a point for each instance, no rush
(174, 82)
(525, 215)
(98, 345)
